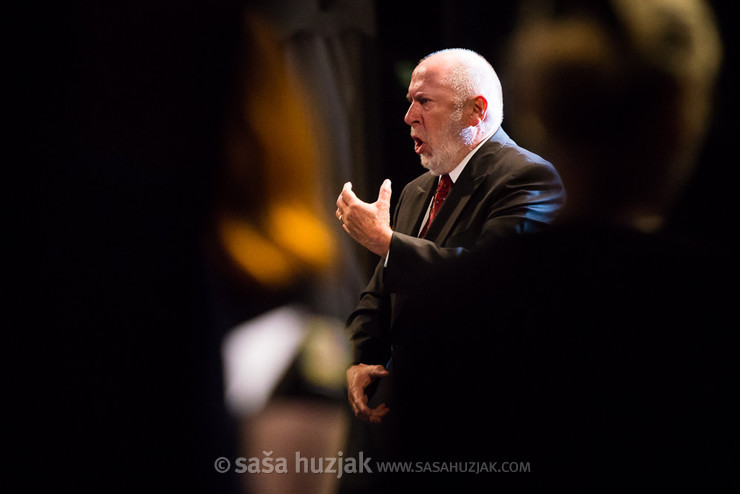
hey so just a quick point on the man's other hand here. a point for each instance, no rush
(359, 377)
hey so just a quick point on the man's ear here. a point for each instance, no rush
(480, 109)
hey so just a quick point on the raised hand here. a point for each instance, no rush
(368, 224)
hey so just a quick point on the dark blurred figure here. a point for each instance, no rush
(622, 93)
(598, 351)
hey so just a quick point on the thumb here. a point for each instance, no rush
(384, 195)
(347, 194)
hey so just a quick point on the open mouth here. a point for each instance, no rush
(418, 143)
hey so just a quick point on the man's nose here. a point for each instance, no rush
(412, 115)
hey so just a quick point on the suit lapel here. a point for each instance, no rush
(412, 214)
(453, 206)
(467, 183)
(418, 200)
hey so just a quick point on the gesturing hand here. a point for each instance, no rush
(359, 377)
(368, 224)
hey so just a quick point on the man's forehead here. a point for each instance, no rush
(426, 77)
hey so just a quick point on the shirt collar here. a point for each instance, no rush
(454, 174)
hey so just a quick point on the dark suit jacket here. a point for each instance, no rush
(503, 190)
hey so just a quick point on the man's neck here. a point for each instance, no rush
(465, 154)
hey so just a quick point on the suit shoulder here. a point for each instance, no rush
(510, 158)
(511, 152)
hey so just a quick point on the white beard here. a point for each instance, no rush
(454, 138)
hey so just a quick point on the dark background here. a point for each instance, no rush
(115, 375)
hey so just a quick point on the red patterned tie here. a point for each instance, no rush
(443, 188)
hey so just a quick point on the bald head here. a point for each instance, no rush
(468, 75)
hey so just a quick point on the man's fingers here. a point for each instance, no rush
(380, 411)
(371, 415)
(358, 401)
(347, 195)
(378, 371)
(348, 200)
(384, 195)
(359, 408)
(377, 414)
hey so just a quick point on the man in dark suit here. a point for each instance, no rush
(495, 189)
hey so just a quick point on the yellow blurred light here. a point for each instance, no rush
(302, 234)
(254, 254)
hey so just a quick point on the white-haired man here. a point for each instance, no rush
(495, 189)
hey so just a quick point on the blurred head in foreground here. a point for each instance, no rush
(618, 94)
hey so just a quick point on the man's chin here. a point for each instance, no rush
(432, 165)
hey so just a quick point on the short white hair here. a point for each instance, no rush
(472, 75)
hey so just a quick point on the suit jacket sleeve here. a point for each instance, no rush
(368, 325)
